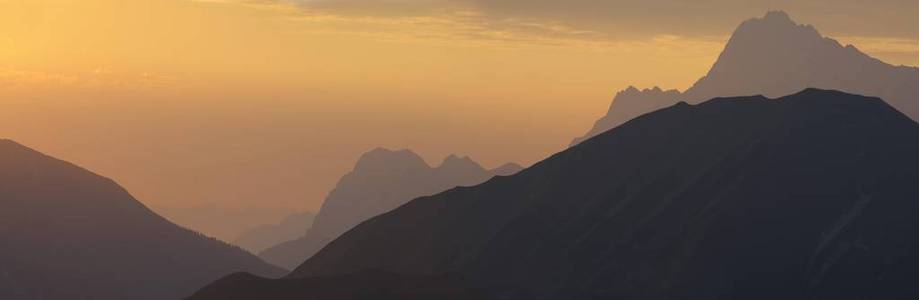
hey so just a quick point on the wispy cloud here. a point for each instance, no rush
(883, 29)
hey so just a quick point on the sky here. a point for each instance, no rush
(224, 114)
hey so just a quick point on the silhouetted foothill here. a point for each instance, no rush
(66, 233)
(382, 180)
(774, 56)
(809, 196)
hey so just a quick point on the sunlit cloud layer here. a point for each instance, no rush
(627, 18)
(886, 28)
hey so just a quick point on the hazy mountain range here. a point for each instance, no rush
(809, 196)
(774, 56)
(381, 180)
(802, 193)
(260, 238)
(67, 233)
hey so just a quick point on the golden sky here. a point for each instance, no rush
(255, 108)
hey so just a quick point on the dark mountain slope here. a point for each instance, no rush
(812, 195)
(67, 233)
(364, 285)
(381, 180)
(774, 56)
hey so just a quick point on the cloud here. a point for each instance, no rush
(631, 18)
(886, 28)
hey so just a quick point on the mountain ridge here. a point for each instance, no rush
(805, 196)
(774, 56)
(381, 180)
(69, 233)
(260, 238)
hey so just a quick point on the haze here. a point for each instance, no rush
(227, 114)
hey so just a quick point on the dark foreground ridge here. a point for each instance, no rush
(809, 196)
(66, 233)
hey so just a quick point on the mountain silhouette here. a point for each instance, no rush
(774, 56)
(808, 196)
(67, 233)
(260, 238)
(629, 104)
(381, 180)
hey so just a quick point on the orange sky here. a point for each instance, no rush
(226, 114)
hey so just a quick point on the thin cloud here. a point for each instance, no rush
(631, 18)
(886, 28)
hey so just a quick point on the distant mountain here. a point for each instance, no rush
(774, 56)
(381, 181)
(260, 238)
(66, 233)
(809, 196)
(629, 104)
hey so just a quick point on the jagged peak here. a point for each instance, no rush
(632, 90)
(778, 16)
(453, 161)
(382, 159)
(453, 158)
(775, 21)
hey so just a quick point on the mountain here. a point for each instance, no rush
(381, 180)
(67, 233)
(808, 196)
(260, 238)
(774, 56)
(629, 104)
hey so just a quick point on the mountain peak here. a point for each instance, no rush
(91, 224)
(456, 162)
(775, 19)
(777, 16)
(775, 56)
(454, 157)
(802, 145)
(385, 159)
(775, 25)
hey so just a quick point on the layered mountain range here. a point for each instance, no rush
(262, 237)
(67, 233)
(381, 180)
(808, 196)
(774, 56)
